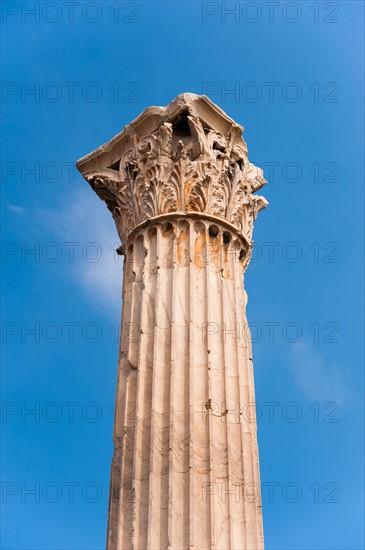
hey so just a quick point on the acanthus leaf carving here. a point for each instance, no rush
(183, 164)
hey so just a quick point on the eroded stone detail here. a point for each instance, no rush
(182, 164)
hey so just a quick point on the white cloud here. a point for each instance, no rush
(319, 378)
(84, 219)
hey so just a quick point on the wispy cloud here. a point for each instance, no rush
(17, 209)
(84, 220)
(318, 377)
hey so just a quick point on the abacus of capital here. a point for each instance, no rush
(185, 471)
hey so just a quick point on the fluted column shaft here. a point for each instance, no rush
(185, 469)
(182, 192)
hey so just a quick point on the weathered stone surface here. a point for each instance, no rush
(185, 470)
(186, 157)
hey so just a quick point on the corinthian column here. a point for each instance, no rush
(185, 471)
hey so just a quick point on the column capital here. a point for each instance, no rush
(186, 157)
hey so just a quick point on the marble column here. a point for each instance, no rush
(185, 471)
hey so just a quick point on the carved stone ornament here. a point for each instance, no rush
(183, 158)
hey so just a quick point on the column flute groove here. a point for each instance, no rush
(218, 433)
(159, 465)
(243, 397)
(255, 453)
(144, 394)
(124, 520)
(231, 334)
(179, 400)
(200, 506)
(242, 386)
(225, 403)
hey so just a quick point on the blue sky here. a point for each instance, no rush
(296, 73)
